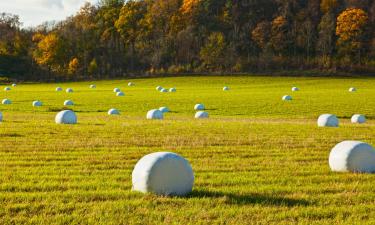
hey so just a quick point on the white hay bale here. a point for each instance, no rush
(163, 90)
(164, 109)
(159, 88)
(163, 173)
(352, 156)
(69, 90)
(295, 89)
(37, 103)
(66, 117)
(120, 94)
(199, 107)
(155, 114)
(6, 102)
(92, 86)
(113, 112)
(59, 89)
(358, 118)
(328, 120)
(172, 89)
(287, 98)
(352, 89)
(201, 115)
(116, 90)
(130, 84)
(68, 103)
(7, 89)
(1, 116)
(14, 85)
(226, 88)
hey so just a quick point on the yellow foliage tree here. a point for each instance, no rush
(189, 6)
(351, 30)
(328, 5)
(73, 66)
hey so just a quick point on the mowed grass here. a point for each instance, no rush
(257, 160)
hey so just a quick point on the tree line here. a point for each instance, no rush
(124, 38)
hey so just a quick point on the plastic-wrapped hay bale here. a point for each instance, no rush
(172, 90)
(6, 102)
(116, 90)
(7, 89)
(113, 112)
(69, 90)
(1, 116)
(201, 115)
(130, 84)
(159, 88)
(295, 89)
(59, 89)
(352, 89)
(328, 120)
(199, 107)
(226, 88)
(163, 90)
(37, 103)
(92, 86)
(352, 156)
(163, 173)
(287, 98)
(66, 117)
(154, 114)
(164, 109)
(68, 103)
(120, 94)
(14, 85)
(358, 118)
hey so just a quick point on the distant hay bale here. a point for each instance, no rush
(159, 88)
(287, 98)
(164, 174)
(7, 89)
(37, 103)
(328, 120)
(163, 90)
(113, 112)
(226, 88)
(358, 118)
(69, 90)
(6, 102)
(1, 116)
(66, 117)
(116, 90)
(172, 90)
(14, 85)
(130, 84)
(164, 109)
(120, 94)
(199, 107)
(155, 114)
(295, 89)
(352, 156)
(59, 89)
(92, 86)
(352, 89)
(68, 103)
(201, 115)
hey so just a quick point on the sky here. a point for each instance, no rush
(35, 12)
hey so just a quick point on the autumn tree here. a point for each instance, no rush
(73, 67)
(351, 32)
(261, 34)
(214, 53)
(279, 39)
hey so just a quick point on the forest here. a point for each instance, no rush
(117, 38)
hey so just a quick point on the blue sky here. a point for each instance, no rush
(35, 12)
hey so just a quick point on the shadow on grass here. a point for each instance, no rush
(249, 199)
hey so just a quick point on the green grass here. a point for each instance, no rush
(256, 160)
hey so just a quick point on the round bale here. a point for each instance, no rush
(226, 88)
(6, 102)
(59, 89)
(159, 88)
(328, 120)
(113, 112)
(7, 89)
(116, 90)
(164, 174)
(352, 156)
(1, 116)
(295, 89)
(68, 103)
(164, 109)
(287, 98)
(201, 115)
(358, 118)
(163, 90)
(92, 86)
(14, 85)
(37, 103)
(120, 94)
(66, 117)
(172, 90)
(69, 90)
(352, 89)
(199, 107)
(154, 114)
(130, 84)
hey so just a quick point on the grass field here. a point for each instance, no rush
(257, 160)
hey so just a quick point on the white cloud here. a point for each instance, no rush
(35, 12)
